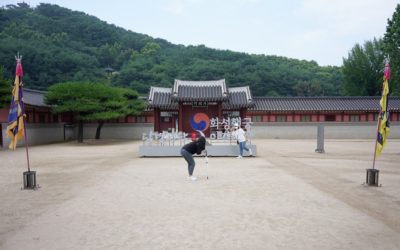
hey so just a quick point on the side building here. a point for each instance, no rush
(44, 127)
(210, 105)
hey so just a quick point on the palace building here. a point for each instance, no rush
(211, 106)
(194, 105)
(191, 105)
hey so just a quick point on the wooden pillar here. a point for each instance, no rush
(243, 113)
(220, 110)
(156, 114)
(180, 115)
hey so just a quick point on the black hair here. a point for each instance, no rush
(201, 142)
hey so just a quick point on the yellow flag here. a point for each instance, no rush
(383, 122)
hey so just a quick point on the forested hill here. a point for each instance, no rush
(60, 45)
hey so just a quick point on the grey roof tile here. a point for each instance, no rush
(239, 97)
(200, 93)
(199, 90)
(34, 97)
(342, 103)
(161, 98)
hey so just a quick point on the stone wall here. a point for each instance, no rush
(301, 130)
(116, 130)
(37, 134)
(51, 133)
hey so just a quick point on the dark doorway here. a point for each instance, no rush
(1, 136)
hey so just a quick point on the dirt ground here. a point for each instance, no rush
(101, 195)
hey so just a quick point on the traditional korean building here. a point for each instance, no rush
(193, 105)
(321, 109)
(36, 110)
(43, 126)
(206, 106)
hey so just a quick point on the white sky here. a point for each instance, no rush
(319, 30)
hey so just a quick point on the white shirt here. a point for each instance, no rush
(239, 134)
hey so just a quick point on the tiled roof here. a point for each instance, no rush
(199, 90)
(161, 98)
(239, 97)
(34, 97)
(343, 103)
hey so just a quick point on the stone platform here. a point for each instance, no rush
(212, 150)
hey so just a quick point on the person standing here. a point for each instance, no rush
(240, 136)
(188, 150)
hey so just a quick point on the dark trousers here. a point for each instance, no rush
(189, 159)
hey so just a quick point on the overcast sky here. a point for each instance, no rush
(319, 30)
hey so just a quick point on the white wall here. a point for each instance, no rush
(38, 134)
(51, 133)
(297, 130)
(116, 130)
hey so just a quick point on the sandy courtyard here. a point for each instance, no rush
(101, 195)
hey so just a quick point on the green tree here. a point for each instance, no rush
(5, 89)
(61, 45)
(305, 88)
(392, 48)
(92, 102)
(133, 105)
(150, 48)
(119, 102)
(363, 69)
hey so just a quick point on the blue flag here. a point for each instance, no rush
(15, 128)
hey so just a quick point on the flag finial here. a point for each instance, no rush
(18, 57)
(18, 71)
(386, 71)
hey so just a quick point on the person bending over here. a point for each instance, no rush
(188, 150)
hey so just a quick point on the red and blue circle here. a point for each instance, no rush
(200, 121)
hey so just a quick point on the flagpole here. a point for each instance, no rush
(25, 137)
(377, 128)
(376, 140)
(17, 119)
(386, 78)
(19, 58)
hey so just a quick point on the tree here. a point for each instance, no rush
(61, 45)
(392, 48)
(133, 105)
(92, 102)
(305, 88)
(5, 89)
(150, 48)
(363, 69)
(123, 102)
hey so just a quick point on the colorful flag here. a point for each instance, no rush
(383, 123)
(15, 128)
